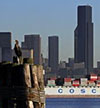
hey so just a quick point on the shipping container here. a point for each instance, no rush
(84, 84)
(67, 84)
(67, 79)
(93, 77)
(91, 83)
(98, 81)
(83, 79)
(72, 79)
(98, 84)
(59, 82)
(76, 83)
(98, 78)
(51, 83)
(53, 78)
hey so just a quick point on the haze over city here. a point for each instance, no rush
(47, 18)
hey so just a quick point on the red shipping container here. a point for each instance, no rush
(90, 81)
(98, 84)
(93, 77)
(67, 79)
(76, 83)
(98, 78)
(53, 78)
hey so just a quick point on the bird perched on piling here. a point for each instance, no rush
(18, 51)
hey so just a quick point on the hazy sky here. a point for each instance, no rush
(48, 17)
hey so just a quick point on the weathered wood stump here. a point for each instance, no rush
(21, 86)
(38, 83)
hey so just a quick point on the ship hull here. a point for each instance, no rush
(72, 92)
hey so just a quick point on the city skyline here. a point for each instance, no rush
(48, 20)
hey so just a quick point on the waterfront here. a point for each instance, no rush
(73, 103)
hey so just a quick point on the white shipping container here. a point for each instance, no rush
(72, 79)
(83, 83)
(91, 84)
(98, 81)
(84, 79)
(67, 84)
(51, 83)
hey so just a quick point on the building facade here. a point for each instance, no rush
(33, 42)
(5, 46)
(83, 37)
(53, 52)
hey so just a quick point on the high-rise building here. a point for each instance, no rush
(71, 62)
(98, 64)
(33, 42)
(5, 46)
(53, 52)
(83, 51)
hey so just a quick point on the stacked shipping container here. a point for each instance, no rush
(94, 80)
(67, 82)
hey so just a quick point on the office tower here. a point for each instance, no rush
(98, 64)
(33, 42)
(5, 46)
(83, 51)
(71, 62)
(53, 53)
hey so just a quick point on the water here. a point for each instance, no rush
(72, 103)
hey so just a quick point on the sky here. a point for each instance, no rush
(48, 18)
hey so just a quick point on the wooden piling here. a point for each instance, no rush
(21, 86)
(38, 84)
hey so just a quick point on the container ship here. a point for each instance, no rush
(70, 87)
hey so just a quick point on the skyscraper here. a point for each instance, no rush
(53, 53)
(5, 46)
(33, 42)
(83, 37)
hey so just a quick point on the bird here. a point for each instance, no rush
(18, 51)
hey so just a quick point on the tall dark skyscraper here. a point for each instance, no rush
(84, 37)
(5, 46)
(53, 53)
(33, 42)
